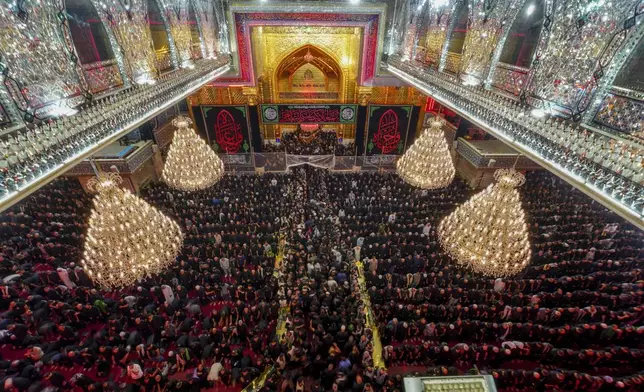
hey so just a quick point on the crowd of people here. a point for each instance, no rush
(203, 322)
(316, 142)
(328, 345)
(571, 320)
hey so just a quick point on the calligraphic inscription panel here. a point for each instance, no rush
(312, 114)
(227, 128)
(387, 129)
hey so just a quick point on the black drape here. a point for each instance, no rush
(255, 131)
(360, 129)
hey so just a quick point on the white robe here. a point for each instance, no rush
(167, 293)
(213, 374)
(64, 276)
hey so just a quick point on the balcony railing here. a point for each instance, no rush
(31, 157)
(606, 169)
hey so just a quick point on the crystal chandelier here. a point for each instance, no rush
(127, 238)
(191, 164)
(427, 164)
(488, 233)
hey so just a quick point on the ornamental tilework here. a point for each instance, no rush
(244, 21)
(132, 33)
(177, 15)
(102, 76)
(488, 19)
(566, 72)
(510, 79)
(439, 19)
(205, 14)
(41, 66)
(622, 114)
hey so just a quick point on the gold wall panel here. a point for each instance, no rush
(209, 95)
(453, 63)
(310, 78)
(434, 43)
(393, 95)
(273, 44)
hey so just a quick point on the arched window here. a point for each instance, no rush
(632, 74)
(159, 37)
(92, 46)
(457, 40)
(523, 38)
(88, 33)
(195, 34)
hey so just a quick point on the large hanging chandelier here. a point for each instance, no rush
(427, 164)
(488, 233)
(191, 165)
(127, 238)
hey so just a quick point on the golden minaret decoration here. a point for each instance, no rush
(191, 164)
(127, 238)
(488, 233)
(427, 164)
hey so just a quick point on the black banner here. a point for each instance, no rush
(308, 114)
(227, 128)
(387, 129)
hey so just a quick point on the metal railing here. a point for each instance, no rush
(31, 158)
(604, 168)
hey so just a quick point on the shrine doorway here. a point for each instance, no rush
(308, 75)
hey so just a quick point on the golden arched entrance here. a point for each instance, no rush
(308, 74)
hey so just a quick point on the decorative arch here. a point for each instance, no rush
(95, 46)
(455, 36)
(164, 50)
(489, 22)
(308, 55)
(208, 26)
(51, 78)
(126, 23)
(567, 72)
(88, 33)
(506, 73)
(519, 43)
(198, 49)
(440, 16)
(619, 63)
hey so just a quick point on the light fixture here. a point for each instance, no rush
(191, 164)
(530, 9)
(308, 57)
(427, 164)
(488, 233)
(61, 109)
(127, 238)
(469, 80)
(145, 79)
(538, 113)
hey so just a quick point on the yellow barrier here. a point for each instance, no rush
(378, 361)
(258, 383)
(280, 328)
